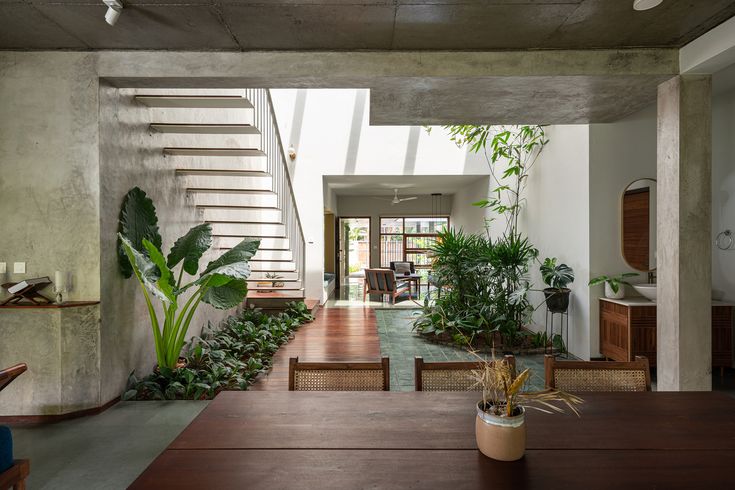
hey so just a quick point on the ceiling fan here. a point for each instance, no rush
(396, 199)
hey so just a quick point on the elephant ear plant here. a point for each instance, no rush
(222, 283)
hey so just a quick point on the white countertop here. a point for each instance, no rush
(641, 301)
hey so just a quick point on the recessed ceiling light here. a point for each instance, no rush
(646, 4)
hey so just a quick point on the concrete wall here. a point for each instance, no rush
(723, 192)
(49, 168)
(331, 133)
(620, 153)
(131, 156)
(366, 206)
(556, 221)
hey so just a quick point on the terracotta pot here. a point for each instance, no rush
(501, 438)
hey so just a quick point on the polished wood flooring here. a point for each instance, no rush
(336, 334)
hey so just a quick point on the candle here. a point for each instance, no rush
(60, 281)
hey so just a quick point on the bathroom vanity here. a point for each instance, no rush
(628, 329)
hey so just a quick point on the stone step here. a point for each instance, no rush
(243, 215)
(232, 198)
(220, 164)
(274, 230)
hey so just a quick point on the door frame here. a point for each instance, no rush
(338, 236)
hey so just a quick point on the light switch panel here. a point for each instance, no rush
(19, 267)
(3, 267)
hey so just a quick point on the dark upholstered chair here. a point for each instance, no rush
(449, 376)
(383, 281)
(411, 265)
(13, 473)
(580, 376)
(338, 376)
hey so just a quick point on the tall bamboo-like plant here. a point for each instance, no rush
(222, 283)
(511, 152)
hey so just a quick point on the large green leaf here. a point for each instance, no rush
(227, 295)
(137, 221)
(165, 281)
(242, 252)
(191, 247)
(225, 273)
(144, 268)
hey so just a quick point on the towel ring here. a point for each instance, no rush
(724, 238)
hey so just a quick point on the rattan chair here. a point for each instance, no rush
(580, 376)
(338, 376)
(449, 376)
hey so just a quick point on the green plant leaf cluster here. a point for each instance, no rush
(222, 284)
(614, 281)
(484, 288)
(556, 276)
(228, 357)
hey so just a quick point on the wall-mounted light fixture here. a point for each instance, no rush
(646, 4)
(292, 152)
(114, 9)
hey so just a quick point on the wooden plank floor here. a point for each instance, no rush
(336, 334)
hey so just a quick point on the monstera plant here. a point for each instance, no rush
(222, 283)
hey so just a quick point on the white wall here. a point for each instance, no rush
(330, 131)
(620, 153)
(556, 221)
(464, 215)
(723, 192)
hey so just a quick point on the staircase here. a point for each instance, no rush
(235, 174)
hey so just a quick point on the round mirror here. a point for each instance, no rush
(638, 230)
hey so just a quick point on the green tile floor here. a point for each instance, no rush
(399, 342)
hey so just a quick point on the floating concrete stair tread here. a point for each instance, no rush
(287, 276)
(229, 206)
(221, 172)
(296, 294)
(217, 189)
(195, 101)
(273, 255)
(213, 152)
(232, 197)
(181, 128)
(226, 243)
(241, 215)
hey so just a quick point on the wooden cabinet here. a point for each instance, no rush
(628, 329)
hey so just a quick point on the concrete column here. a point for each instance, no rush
(684, 234)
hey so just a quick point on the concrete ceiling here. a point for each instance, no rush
(407, 185)
(356, 24)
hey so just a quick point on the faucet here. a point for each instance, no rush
(651, 277)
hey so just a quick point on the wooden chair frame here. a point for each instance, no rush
(393, 293)
(16, 475)
(551, 364)
(294, 365)
(420, 366)
(9, 374)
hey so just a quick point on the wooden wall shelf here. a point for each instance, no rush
(68, 304)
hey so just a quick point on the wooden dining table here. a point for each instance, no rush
(393, 440)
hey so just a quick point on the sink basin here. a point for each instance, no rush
(646, 290)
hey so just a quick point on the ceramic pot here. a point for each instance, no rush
(501, 438)
(557, 300)
(610, 294)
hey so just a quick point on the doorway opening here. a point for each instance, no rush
(354, 249)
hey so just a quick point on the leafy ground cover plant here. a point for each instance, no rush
(227, 357)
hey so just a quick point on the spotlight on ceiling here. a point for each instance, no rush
(114, 9)
(646, 4)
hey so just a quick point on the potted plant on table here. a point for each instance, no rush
(614, 285)
(557, 278)
(500, 425)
